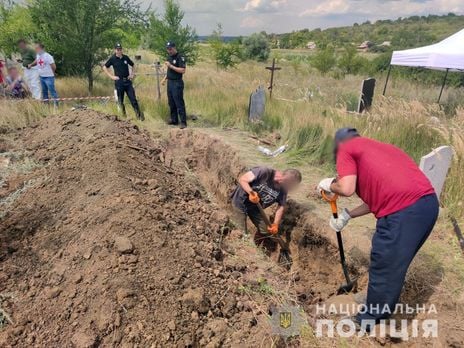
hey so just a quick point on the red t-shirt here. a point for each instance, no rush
(388, 180)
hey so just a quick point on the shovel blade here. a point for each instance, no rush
(347, 288)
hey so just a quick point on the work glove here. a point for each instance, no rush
(273, 229)
(254, 197)
(325, 184)
(339, 224)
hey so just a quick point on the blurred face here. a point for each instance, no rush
(289, 182)
(22, 45)
(38, 49)
(171, 51)
(13, 73)
(118, 51)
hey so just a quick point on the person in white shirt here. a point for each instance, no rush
(46, 67)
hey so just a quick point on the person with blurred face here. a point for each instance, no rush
(403, 200)
(265, 186)
(46, 67)
(16, 87)
(123, 74)
(31, 75)
(176, 67)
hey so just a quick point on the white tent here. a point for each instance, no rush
(447, 55)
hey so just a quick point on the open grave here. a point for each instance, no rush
(111, 236)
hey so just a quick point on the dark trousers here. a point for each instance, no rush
(397, 240)
(125, 86)
(262, 238)
(176, 101)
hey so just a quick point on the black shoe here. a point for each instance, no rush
(172, 123)
(141, 116)
(183, 125)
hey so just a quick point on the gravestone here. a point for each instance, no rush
(436, 166)
(367, 95)
(257, 105)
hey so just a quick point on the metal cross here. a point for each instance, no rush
(272, 69)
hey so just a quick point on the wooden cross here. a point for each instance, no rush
(272, 69)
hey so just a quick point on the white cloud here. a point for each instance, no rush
(263, 5)
(251, 23)
(242, 17)
(331, 7)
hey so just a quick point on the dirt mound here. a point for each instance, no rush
(105, 244)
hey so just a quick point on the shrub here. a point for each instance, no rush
(257, 47)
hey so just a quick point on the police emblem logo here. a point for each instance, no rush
(125, 62)
(285, 320)
(174, 61)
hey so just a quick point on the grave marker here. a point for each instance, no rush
(272, 69)
(367, 95)
(436, 166)
(257, 105)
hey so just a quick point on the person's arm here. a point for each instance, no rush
(279, 215)
(108, 72)
(345, 186)
(132, 68)
(34, 63)
(176, 69)
(53, 66)
(362, 210)
(245, 181)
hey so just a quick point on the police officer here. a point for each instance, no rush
(175, 70)
(122, 78)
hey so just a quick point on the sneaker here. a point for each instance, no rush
(172, 123)
(141, 116)
(183, 126)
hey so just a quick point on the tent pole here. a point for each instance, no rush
(386, 82)
(443, 85)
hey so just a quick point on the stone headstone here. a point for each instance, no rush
(436, 166)
(367, 95)
(257, 105)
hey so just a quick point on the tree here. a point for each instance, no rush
(351, 62)
(226, 55)
(324, 60)
(168, 27)
(15, 23)
(257, 47)
(80, 32)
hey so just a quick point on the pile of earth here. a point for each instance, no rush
(103, 243)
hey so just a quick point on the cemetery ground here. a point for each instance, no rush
(113, 235)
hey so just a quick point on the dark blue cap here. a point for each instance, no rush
(118, 46)
(170, 44)
(345, 134)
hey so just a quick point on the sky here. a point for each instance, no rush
(243, 17)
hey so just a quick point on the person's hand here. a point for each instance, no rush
(168, 65)
(273, 229)
(343, 219)
(254, 197)
(131, 77)
(325, 184)
(115, 78)
(29, 66)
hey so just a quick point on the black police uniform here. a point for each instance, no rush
(124, 85)
(176, 90)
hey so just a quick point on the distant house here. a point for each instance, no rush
(311, 45)
(365, 46)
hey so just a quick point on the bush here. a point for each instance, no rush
(324, 60)
(351, 62)
(257, 47)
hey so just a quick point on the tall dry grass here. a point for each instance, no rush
(306, 110)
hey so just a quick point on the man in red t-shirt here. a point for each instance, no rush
(395, 190)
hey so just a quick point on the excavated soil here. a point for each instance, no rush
(103, 243)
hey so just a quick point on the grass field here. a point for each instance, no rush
(306, 110)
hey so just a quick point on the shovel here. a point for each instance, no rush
(284, 257)
(351, 285)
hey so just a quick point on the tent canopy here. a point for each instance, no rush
(445, 55)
